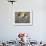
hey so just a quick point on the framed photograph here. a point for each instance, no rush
(23, 18)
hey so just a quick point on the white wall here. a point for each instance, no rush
(9, 31)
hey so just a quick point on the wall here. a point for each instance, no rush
(9, 31)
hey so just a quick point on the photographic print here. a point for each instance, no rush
(23, 18)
